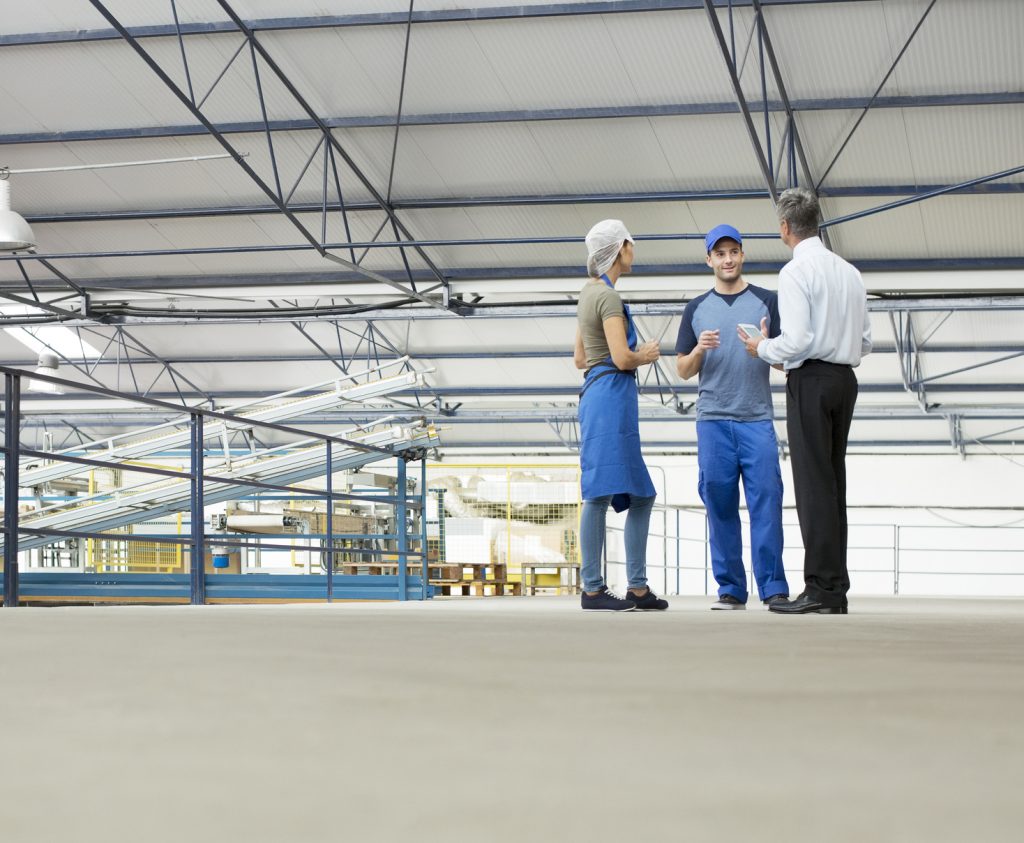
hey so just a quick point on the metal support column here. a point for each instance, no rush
(12, 426)
(401, 527)
(197, 594)
(423, 527)
(329, 555)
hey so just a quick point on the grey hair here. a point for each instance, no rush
(799, 207)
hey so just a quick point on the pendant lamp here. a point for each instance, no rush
(15, 234)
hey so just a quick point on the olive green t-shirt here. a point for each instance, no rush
(597, 302)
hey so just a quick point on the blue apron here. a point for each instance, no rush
(610, 457)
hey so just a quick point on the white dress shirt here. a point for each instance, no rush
(823, 309)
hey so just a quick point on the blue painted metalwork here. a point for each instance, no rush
(874, 96)
(910, 200)
(329, 506)
(389, 244)
(278, 199)
(329, 137)
(796, 144)
(604, 7)
(196, 580)
(181, 47)
(402, 528)
(175, 588)
(532, 115)
(197, 592)
(311, 548)
(981, 387)
(527, 116)
(424, 560)
(984, 188)
(741, 100)
(12, 428)
(759, 25)
(511, 271)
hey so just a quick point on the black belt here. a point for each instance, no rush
(827, 363)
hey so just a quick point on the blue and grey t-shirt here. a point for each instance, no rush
(731, 384)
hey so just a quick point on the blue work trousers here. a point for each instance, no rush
(726, 451)
(592, 538)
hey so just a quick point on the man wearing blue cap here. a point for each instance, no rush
(735, 430)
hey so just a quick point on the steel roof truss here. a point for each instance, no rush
(275, 193)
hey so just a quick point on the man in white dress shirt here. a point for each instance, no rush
(825, 331)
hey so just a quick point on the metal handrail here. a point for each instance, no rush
(196, 478)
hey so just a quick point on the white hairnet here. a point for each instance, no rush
(604, 241)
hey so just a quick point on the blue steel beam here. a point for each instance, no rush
(676, 446)
(874, 97)
(976, 189)
(604, 7)
(275, 198)
(532, 115)
(796, 143)
(730, 65)
(920, 197)
(503, 354)
(337, 149)
(570, 392)
(563, 413)
(187, 282)
(370, 244)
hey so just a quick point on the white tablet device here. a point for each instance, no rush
(750, 330)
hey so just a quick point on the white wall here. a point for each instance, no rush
(948, 526)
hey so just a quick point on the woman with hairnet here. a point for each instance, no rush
(612, 466)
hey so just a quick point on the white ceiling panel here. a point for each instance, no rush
(519, 62)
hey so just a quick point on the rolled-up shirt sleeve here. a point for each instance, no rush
(795, 315)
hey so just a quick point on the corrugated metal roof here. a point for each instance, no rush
(614, 61)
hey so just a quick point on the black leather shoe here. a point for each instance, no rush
(805, 605)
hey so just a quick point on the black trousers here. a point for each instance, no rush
(820, 398)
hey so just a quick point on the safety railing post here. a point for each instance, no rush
(664, 550)
(329, 555)
(12, 445)
(402, 528)
(197, 591)
(678, 551)
(895, 559)
(707, 550)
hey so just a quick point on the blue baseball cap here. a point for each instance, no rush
(718, 233)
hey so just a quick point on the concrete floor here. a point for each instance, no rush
(513, 719)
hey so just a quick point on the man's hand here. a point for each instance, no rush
(708, 340)
(753, 342)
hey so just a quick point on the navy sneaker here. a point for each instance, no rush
(650, 602)
(727, 601)
(606, 601)
(776, 598)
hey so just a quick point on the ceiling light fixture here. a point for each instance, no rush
(48, 364)
(15, 234)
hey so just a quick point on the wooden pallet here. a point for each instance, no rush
(480, 588)
(482, 581)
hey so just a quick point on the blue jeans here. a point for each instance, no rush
(726, 451)
(592, 533)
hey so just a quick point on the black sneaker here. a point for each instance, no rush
(650, 602)
(727, 601)
(776, 598)
(606, 601)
